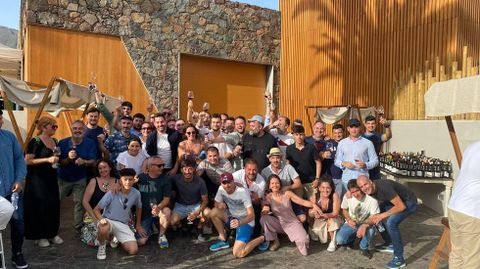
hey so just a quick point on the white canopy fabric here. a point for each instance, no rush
(456, 96)
(10, 62)
(65, 95)
(335, 114)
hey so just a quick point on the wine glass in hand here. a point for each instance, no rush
(56, 152)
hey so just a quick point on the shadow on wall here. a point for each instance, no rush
(366, 44)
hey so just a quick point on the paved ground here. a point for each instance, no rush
(421, 233)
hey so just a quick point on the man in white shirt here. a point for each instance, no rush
(464, 212)
(250, 179)
(224, 149)
(357, 209)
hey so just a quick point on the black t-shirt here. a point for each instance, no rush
(376, 139)
(386, 190)
(189, 193)
(153, 191)
(257, 148)
(303, 161)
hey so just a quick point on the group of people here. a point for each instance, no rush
(152, 173)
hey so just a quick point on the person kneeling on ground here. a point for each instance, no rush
(357, 208)
(233, 208)
(155, 189)
(191, 197)
(279, 217)
(327, 222)
(116, 214)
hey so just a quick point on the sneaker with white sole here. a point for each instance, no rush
(332, 246)
(384, 248)
(163, 241)
(57, 240)
(19, 261)
(43, 243)
(201, 238)
(102, 252)
(114, 242)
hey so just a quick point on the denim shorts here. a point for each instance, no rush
(147, 225)
(244, 232)
(184, 210)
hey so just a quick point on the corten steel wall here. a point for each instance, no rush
(73, 56)
(337, 52)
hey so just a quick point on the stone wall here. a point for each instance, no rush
(156, 32)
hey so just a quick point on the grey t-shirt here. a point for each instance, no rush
(386, 190)
(214, 171)
(118, 206)
(189, 193)
(287, 174)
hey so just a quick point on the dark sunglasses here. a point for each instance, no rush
(54, 126)
(160, 165)
(190, 133)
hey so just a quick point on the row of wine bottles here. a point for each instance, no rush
(415, 165)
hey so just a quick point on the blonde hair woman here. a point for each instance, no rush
(42, 201)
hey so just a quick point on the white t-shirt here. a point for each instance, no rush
(134, 162)
(223, 148)
(258, 186)
(283, 141)
(359, 211)
(164, 150)
(237, 202)
(466, 191)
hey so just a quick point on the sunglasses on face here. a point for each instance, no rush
(53, 126)
(159, 165)
(190, 133)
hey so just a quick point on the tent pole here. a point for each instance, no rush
(8, 106)
(453, 137)
(309, 120)
(39, 112)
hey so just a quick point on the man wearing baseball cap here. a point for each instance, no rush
(233, 208)
(355, 154)
(257, 143)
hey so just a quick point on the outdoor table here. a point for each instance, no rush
(447, 182)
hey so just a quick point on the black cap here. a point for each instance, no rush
(369, 118)
(298, 129)
(354, 122)
(126, 117)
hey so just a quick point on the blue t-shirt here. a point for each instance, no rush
(86, 150)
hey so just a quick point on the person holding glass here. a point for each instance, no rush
(42, 200)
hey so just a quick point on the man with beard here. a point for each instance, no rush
(118, 142)
(397, 202)
(191, 197)
(93, 130)
(250, 179)
(138, 120)
(78, 153)
(224, 150)
(235, 137)
(257, 143)
(280, 132)
(229, 125)
(164, 143)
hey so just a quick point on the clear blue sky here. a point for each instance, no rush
(10, 10)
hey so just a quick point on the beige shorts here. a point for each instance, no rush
(121, 231)
(321, 227)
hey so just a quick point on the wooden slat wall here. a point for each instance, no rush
(73, 56)
(338, 52)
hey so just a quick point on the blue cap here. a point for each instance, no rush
(257, 118)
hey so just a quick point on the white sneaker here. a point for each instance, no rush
(43, 243)
(57, 240)
(114, 242)
(332, 246)
(102, 252)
